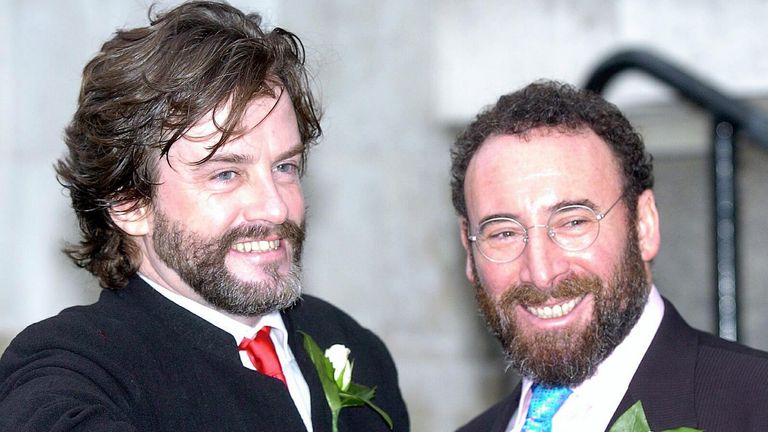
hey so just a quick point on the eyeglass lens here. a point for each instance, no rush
(573, 228)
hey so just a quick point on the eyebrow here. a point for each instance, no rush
(291, 152)
(228, 158)
(238, 158)
(554, 207)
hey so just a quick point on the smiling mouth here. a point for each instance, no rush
(556, 311)
(256, 246)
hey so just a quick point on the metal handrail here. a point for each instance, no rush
(728, 117)
(744, 117)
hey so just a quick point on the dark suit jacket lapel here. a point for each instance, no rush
(321, 413)
(191, 329)
(508, 408)
(183, 327)
(664, 381)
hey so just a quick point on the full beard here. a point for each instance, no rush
(568, 357)
(200, 263)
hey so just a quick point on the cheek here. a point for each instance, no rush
(597, 261)
(496, 279)
(206, 215)
(178, 205)
(293, 196)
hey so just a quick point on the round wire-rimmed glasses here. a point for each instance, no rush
(573, 228)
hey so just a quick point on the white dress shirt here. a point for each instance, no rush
(297, 385)
(592, 404)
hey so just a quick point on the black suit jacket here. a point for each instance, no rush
(686, 378)
(135, 361)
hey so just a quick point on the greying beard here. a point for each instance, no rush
(568, 357)
(200, 263)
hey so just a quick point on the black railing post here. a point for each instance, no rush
(725, 205)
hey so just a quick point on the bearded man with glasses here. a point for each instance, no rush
(553, 188)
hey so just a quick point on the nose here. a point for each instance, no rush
(542, 263)
(263, 201)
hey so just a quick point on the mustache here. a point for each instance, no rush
(288, 230)
(529, 295)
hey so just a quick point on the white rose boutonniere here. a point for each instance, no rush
(335, 371)
(338, 355)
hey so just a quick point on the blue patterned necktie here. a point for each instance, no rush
(544, 404)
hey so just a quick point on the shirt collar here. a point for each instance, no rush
(614, 374)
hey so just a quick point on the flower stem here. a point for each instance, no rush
(335, 420)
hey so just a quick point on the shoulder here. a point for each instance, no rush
(86, 325)
(730, 389)
(728, 378)
(730, 362)
(81, 346)
(715, 356)
(76, 353)
(115, 334)
(716, 346)
(117, 318)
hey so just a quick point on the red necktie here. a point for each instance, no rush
(262, 353)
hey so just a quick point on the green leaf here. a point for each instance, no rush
(348, 400)
(356, 395)
(361, 391)
(383, 414)
(633, 420)
(324, 372)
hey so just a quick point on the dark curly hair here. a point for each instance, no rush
(564, 108)
(146, 88)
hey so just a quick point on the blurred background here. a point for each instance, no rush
(398, 79)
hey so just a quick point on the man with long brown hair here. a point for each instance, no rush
(185, 160)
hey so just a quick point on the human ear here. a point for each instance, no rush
(131, 217)
(464, 234)
(648, 230)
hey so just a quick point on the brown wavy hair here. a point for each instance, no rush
(141, 93)
(564, 108)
